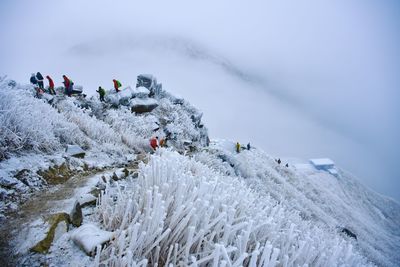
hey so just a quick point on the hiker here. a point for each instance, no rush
(278, 161)
(287, 165)
(51, 85)
(248, 146)
(102, 93)
(68, 85)
(33, 79)
(34, 82)
(39, 78)
(117, 85)
(163, 142)
(237, 147)
(154, 142)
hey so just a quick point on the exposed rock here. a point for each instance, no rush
(349, 233)
(56, 174)
(115, 177)
(7, 183)
(75, 151)
(58, 225)
(76, 215)
(126, 172)
(89, 236)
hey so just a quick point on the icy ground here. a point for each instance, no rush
(197, 205)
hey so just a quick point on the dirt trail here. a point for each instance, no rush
(42, 203)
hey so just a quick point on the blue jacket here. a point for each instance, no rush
(39, 76)
(33, 80)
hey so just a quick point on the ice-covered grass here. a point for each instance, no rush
(181, 212)
(30, 124)
(319, 197)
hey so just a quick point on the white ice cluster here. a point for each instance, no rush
(181, 212)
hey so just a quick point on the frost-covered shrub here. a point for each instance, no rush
(30, 124)
(93, 128)
(181, 212)
(180, 121)
(135, 131)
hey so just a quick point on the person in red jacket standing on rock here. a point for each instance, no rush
(67, 84)
(51, 85)
(117, 85)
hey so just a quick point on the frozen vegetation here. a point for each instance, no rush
(193, 203)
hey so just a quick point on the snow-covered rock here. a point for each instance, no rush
(143, 105)
(89, 236)
(141, 92)
(75, 151)
(87, 200)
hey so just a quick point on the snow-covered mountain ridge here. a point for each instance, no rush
(206, 205)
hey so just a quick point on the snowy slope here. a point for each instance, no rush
(335, 202)
(201, 207)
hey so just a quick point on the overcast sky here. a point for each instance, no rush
(296, 78)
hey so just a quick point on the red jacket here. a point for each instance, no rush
(117, 84)
(51, 83)
(154, 143)
(66, 82)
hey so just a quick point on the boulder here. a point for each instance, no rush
(87, 200)
(141, 92)
(75, 151)
(58, 224)
(143, 105)
(146, 80)
(76, 214)
(89, 236)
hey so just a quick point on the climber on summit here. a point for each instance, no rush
(117, 85)
(39, 78)
(51, 85)
(102, 93)
(33, 79)
(68, 85)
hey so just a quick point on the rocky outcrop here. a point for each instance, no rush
(57, 174)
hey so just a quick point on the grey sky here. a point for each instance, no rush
(297, 78)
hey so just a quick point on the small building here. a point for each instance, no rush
(324, 164)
